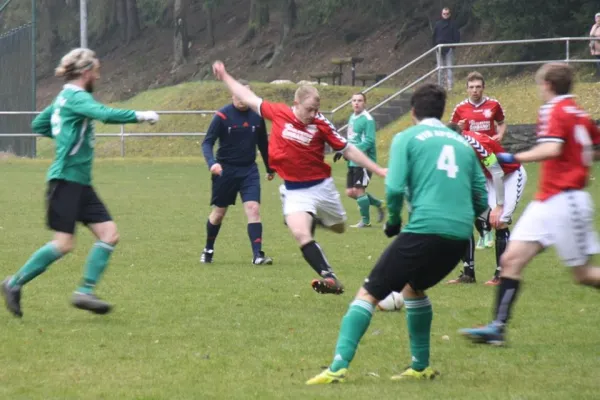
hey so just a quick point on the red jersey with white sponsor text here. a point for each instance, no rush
(479, 117)
(562, 120)
(485, 146)
(296, 150)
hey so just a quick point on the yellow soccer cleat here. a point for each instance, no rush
(411, 374)
(327, 376)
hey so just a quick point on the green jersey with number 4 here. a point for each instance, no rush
(69, 120)
(438, 173)
(361, 133)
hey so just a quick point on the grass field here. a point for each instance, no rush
(182, 330)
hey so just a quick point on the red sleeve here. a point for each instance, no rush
(553, 129)
(455, 115)
(499, 117)
(331, 135)
(268, 110)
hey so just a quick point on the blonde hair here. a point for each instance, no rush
(75, 63)
(306, 91)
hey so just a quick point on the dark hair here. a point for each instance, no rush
(364, 96)
(558, 75)
(475, 76)
(454, 127)
(428, 101)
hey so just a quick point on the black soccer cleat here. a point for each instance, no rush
(91, 303)
(207, 256)
(262, 259)
(329, 285)
(12, 298)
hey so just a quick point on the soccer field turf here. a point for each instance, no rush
(231, 330)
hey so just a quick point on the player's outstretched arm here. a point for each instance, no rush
(353, 154)
(541, 152)
(240, 91)
(84, 104)
(396, 179)
(42, 124)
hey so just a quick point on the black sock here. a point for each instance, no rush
(316, 259)
(469, 258)
(502, 236)
(211, 235)
(507, 294)
(255, 235)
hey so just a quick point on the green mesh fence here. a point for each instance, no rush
(17, 90)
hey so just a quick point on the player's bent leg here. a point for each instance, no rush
(587, 275)
(213, 226)
(96, 263)
(299, 223)
(354, 325)
(364, 204)
(255, 229)
(39, 262)
(351, 192)
(502, 238)
(338, 228)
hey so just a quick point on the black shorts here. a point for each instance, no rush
(234, 180)
(68, 203)
(358, 177)
(421, 260)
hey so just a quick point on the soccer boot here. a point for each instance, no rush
(90, 302)
(412, 374)
(327, 376)
(480, 243)
(489, 239)
(262, 259)
(495, 281)
(327, 285)
(12, 298)
(361, 224)
(381, 212)
(207, 256)
(462, 278)
(490, 334)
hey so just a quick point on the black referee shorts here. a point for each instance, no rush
(68, 203)
(420, 260)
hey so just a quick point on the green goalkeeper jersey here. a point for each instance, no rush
(361, 133)
(438, 173)
(69, 120)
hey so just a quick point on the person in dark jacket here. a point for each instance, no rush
(444, 32)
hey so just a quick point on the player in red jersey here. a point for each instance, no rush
(479, 113)
(562, 213)
(505, 184)
(297, 154)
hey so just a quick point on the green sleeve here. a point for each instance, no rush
(397, 176)
(480, 199)
(42, 123)
(84, 104)
(368, 141)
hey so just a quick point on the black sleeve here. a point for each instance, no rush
(209, 140)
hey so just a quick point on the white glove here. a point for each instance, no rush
(147, 116)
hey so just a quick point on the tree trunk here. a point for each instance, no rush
(210, 27)
(289, 21)
(133, 20)
(121, 14)
(258, 19)
(180, 40)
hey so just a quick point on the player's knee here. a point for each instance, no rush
(351, 192)
(64, 244)
(510, 261)
(216, 215)
(252, 211)
(110, 235)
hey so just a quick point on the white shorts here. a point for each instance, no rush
(566, 221)
(514, 184)
(322, 200)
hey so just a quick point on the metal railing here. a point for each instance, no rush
(439, 68)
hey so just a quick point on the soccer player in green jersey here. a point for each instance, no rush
(361, 133)
(437, 172)
(69, 120)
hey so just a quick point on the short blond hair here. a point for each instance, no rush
(306, 91)
(75, 63)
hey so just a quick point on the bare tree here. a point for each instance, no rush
(258, 19)
(180, 40)
(133, 20)
(209, 6)
(289, 21)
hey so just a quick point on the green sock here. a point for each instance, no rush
(418, 317)
(38, 263)
(354, 325)
(375, 202)
(363, 206)
(95, 266)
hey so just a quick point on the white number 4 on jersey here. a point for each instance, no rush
(447, 161)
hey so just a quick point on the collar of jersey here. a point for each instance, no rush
(432, 122)
(483, 100)
(72, 87)
(561, 97)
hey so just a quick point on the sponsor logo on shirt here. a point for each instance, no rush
(479, 126)
(297, 135)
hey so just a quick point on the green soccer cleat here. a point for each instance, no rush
(327, 377)
(412, 374)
